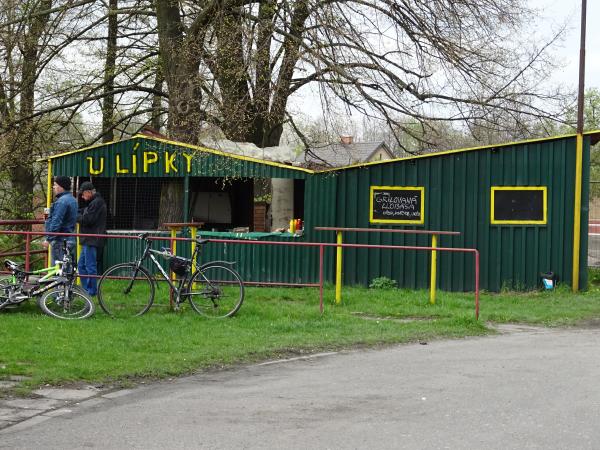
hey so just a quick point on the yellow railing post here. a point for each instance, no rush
(77, 252)
(338, 269)
(173, 248)
(193, 231)
(433, 284)
(48, 203)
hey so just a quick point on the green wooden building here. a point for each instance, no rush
(516, 203)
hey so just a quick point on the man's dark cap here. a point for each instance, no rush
(86, 186)
(64, 182)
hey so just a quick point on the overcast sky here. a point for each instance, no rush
(555, 13)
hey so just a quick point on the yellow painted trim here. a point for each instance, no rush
(90, 147)
(398, 188)
(544, 189)
(48, 203)
(225, 154)
(433, 283)
(174, 248)
(49, 186)
(77, 252)
(194, 232)
(577, 212)
(338, 269)
(449, 152)
(190, 147)
(301, 169)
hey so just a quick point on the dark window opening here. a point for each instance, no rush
(221, 204)
(299, 199)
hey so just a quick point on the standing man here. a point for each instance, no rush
(61, 219)
(92, 220)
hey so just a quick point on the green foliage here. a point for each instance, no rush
(383, 283)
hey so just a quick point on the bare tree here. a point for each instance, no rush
(235, 63)
(52, 85)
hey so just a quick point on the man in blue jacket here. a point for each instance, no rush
(62, 219)
(92, 220)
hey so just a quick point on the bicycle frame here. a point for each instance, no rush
(18, 276)
(50, 271)
(149, 253)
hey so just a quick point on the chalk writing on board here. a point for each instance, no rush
(396, 204)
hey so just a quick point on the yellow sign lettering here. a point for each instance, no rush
(119, 168)
(134, 163)
(188, 159)
(149, 158)
(91, 166)
(169, 162)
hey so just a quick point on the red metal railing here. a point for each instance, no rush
(339, 256)
(28, 240)
(321, 246)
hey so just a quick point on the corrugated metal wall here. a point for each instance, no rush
(457, 198)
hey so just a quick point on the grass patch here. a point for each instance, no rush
(272, 323)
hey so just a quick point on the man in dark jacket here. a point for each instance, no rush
(92, 220)
(61, 219)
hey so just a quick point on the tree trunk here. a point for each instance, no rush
(108, 104)
(171, 203)
(159, 79)
(22, 173)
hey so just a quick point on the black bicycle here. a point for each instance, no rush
(62, 298)
(214, 289)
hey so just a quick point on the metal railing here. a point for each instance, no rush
(28, 241)
(320, 245)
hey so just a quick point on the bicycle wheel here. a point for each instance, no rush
(4, 292)
(62, 304)
(124, 291)
(216, 291)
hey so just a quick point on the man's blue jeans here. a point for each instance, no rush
(57, 252)
(87, 266)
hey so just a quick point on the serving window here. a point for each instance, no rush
(221, 204)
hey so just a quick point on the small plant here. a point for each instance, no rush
(382, 283)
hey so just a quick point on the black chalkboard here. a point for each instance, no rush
(519, 205)
(391, 204)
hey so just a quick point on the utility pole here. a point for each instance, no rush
(579, 152)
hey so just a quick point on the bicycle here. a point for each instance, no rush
(214, 289)
(61, 299)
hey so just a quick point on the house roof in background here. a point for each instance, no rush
(339, 155)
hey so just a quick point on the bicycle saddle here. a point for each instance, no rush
(11, 265)
(202, 241)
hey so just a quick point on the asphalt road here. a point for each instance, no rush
(527, 389)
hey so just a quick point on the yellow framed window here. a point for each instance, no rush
(519, 205)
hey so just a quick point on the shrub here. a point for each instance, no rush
(382, 283)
